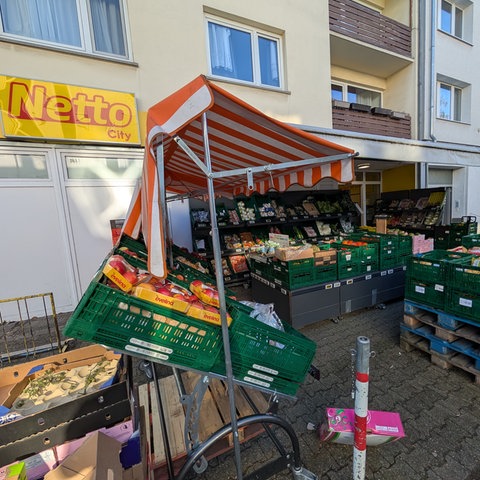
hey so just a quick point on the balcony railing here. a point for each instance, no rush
(376, 121)
(366, 25)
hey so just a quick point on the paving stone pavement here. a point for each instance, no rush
(440, 409)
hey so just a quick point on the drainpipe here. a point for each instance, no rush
(433, 31)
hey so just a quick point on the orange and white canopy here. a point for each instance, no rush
(248, 152)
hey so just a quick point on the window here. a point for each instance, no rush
(449, 102)
(352, 94)
(451, 19)
(244, 54)
(91, 26)
(455, 17)
(103, 168)
(21, 166)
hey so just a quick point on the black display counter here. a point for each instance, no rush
(329, 300)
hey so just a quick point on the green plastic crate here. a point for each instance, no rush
(425, 293)
(472, 240)
(294, 273)
(260, 347)
(464, 277)
(120, 321)
(388, 260)
(325, 273)
(137, 247)
(261, 265)
(433, 266)
(405, 245)
(463, 304)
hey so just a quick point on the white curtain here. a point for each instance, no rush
(220, 47)
(107, 26)
(50, 20)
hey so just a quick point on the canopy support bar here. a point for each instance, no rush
(280, 166)
(192, 155)
(217, 255)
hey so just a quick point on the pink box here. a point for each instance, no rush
(382, 427)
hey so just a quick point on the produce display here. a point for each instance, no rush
(246, 213)
(54, 386)
(200, 300)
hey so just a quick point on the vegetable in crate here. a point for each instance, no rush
(239, 263)
(246, 213)
(225, 268)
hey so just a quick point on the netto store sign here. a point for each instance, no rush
(36, 109)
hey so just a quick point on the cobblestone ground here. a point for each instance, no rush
(440, 409)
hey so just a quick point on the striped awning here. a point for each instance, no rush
(246, 150)
(239, 137)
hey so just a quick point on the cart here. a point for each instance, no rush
(203, 140)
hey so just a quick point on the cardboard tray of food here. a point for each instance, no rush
(71, 412)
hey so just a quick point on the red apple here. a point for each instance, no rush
(196, 283)
(164, 291)
(118, 264)
(198, 305)
(130, 277)
(147, 286)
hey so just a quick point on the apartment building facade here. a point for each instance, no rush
(78, 78)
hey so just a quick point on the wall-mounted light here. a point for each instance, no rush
(363, 166)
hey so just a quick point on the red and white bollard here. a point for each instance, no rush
(361, 408)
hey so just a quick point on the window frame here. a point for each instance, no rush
(86, 35)
(466, 26)
(455, 103)
(344, 86)
(254, 33)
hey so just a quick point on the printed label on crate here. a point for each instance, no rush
(465, 302)
(256, 382)
(419, 289)
(152, 346)
(117, 278)
(259, 375)
(144, 351)
(161, 299)
(271, 371)
(439, 288)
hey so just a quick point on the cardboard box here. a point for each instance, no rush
(294, 253)
(14, 379)
(16, 471)
(97, 459)
(382, 427)
(325, 257)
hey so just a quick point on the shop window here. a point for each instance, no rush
(456, 18)
(245, 54)
(90, 26)
(353, 94)
(23, 166)
(103, 168)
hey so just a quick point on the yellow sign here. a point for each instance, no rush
(36, 109)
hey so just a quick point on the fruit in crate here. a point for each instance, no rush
(120, 273)
(190, 263)
(206, 293)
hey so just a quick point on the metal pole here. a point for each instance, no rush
(361, 408)
(217, 255)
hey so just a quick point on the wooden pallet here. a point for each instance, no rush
(410, 341)
(214, 414)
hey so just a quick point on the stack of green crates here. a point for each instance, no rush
(348, 258)
(293, 274)
(427, 277)
(463, 296)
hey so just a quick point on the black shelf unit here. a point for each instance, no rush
(342, 214)
(410, 211)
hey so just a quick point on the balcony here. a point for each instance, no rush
(364, 40)
(375, 121)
